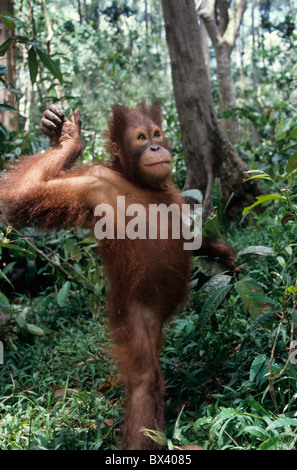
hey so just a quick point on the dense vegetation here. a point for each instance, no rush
(228, 358)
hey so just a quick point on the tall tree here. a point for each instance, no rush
(207, 150)
(222, 19)
(8, 118)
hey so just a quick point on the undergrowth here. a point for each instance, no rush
(58, 385)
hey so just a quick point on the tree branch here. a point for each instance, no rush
(87, 285)
(207, 13)
(235, 20)
(223, 6)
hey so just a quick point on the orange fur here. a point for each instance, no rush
(148, 279)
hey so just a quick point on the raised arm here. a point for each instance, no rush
(37, 169)
(41, 190)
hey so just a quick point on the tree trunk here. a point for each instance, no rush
(223, 37)
(205, 48)
(227, 100)
(8, 118)
(256, 135)
(208, 152)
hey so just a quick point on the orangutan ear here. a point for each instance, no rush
(115, 149)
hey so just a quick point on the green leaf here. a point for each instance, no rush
(156, 436)
(282, 127)
(261, 172)
(33, 64)
(6, 279)
(271, 115)
(293, 133)
(202, 422)
(210, 267)
(5, 46)
(94, 305)
(226, 414)
(291, 289)
(211, 228)
(211, 304)
(261, 177)
(281, 422)
(217, 193)
(228, 201)
(193, 194)
(63, 294)
(8, 20)
(21, 322)
(11, 22)
(270, 444)
(270, 197)
(6, 107)
(11, 246)
(257, 432)
(258, 250)
(13, 90)
(35, 330)
(248, 257)
(252, 296)
(281, 261)
(261, 200)
(4, 302)
(256, 366)
(50, 64)
(3, 69)
(292, 163)
(31, 270)
(219, 280)
(22, 39)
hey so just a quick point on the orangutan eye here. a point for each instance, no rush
(141, 137)
(157, 134)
